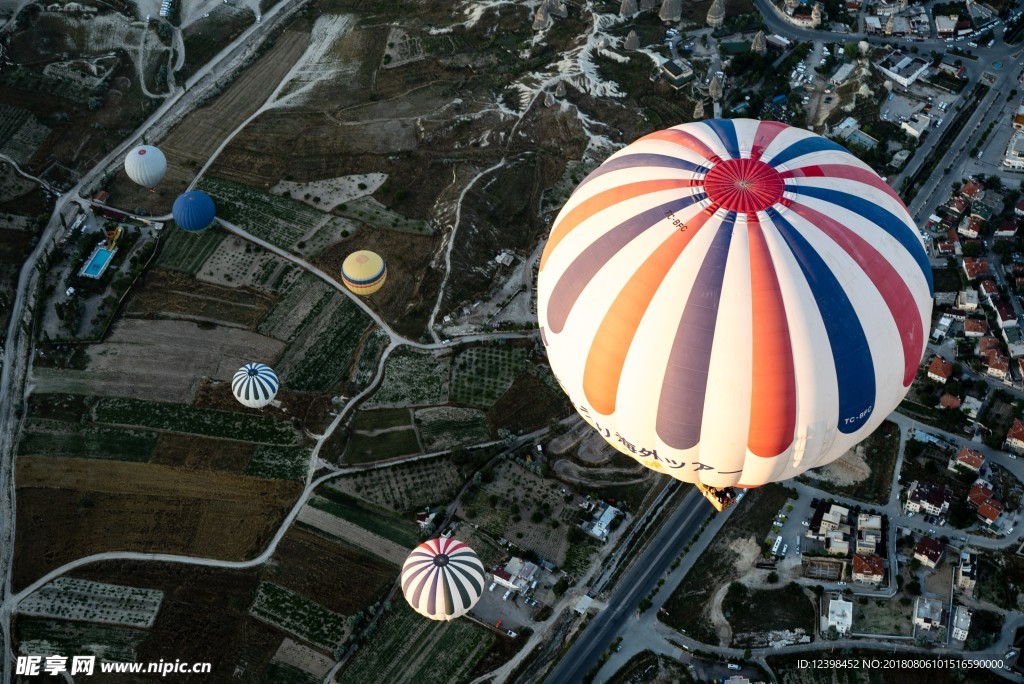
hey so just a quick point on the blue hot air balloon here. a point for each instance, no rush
(193, 210)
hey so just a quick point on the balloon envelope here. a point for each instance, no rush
(442, 579)
(193, 210)
(733, 302)
(363, 272)
(254, 385)
(146, 165)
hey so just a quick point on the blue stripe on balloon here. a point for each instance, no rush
(645, 160)
(883, 218)
(585, 266)
(855, 370)
(726, 131)
(806, 146)
(365, 281)
(683, 389)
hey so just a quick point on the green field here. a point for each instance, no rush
(482, 374)
(107, 642)
(409, 648)
(283, 673)
(377, 520)
(300, 303)
(446, 427)
(278, 220)
(366, 364)
(59, 438)
(279, 462)
(300, 616)
(369, 211)
(196, 421)
(381, 419)
(181, 250)
(316, 362)
(413, 378)
(364, 448)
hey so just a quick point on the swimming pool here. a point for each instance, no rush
(97, 262)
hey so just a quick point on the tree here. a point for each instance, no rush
(773, 577)
(747, 654)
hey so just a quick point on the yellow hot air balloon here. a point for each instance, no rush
(363, 272)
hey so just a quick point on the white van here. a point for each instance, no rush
(491, 588)
(505, 597)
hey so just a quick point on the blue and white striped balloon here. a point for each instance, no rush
(254, 385)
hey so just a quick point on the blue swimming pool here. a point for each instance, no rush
(97, 262)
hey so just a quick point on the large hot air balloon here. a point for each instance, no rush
(733, 302)
(146, 165)
(442, 579)
(254, 385)
(363, 272)
(193, 210)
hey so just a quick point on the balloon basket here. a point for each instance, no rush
(720, 498)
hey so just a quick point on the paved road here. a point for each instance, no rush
(634, 585)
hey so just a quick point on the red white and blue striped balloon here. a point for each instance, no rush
(254, 385)
(733, 302)
(442, 579)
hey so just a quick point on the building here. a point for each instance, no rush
(933, 499)
(1006, 315)
(1014, 342)
(961, 623)
(975, 327)
(970, 227)
(996, 364)
(1007, 228)
(980, 498)
(1014, 156)
(945, 26)
(1018, 208)
(967, 299)
(517, 574)
(916, 125)
(927, 613)
(988, 289)
(971, 406)
(843, 73)
(868, 568)
(966, 574)
(869, 533)
(901, 68)
(777, 42)
(1018, 117)
(948, 65)
(603, 517)
(949, 401)
(1015, 436)
(929, 551)
(677, 72)
(840, 615)
(972, 190)
(975, 267)
(967, 458)
(940, 370)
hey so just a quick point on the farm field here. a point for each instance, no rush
(78, 599)
(278, 220)
(366, 364)
(158, 360)
(480, 375)
(412, 379)
(191, 142)
(70, 508)
(381, 419)
(754, 612)
(316, 361)
(448, 426)
(301, 301)
(314, 515)
(366, 447)
(407, 648)
(203, 453)
(43, 637)
(883, 616)
(244, 427)
(366, 515)
(299, 616)
(341, 577)
(313, 665)
(204, 39)
(529, 404)
(171, 294)
(277, 462)
(183, 251)
(405, 486)
(59, 438)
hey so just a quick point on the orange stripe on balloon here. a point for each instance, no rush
(613, 338)
(773, 389)
(684, 139)
(604, 200)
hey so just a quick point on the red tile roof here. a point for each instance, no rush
(990, 510)
(977, 325)
(988, 287)
(979, 494)
(1005, 310)
(949, 401)
(970, 458)
(987, 344)
(975, 267)
(941, 368)
(1016, 431)
(930, 548)
(873, 566)
(971, 189)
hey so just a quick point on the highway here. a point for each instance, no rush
(635, 584)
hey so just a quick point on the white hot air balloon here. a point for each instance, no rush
(254, 385)
(442, 579)
(733, 302)
(146, 165)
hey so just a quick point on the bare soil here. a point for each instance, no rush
(202, 453)
(173, 294)
(69, 508)
(528, 405)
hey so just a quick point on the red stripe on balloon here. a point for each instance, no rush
(766, 133)
(612, 341)
(684, 139)
(846, 172)
(773, 386)
(886, 280)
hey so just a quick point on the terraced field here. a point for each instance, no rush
(61, 438)
(447, 426)
(482, 374)
(300, 616)
(300, 302)
(325, 349)
(181, 250)
(413, 379)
